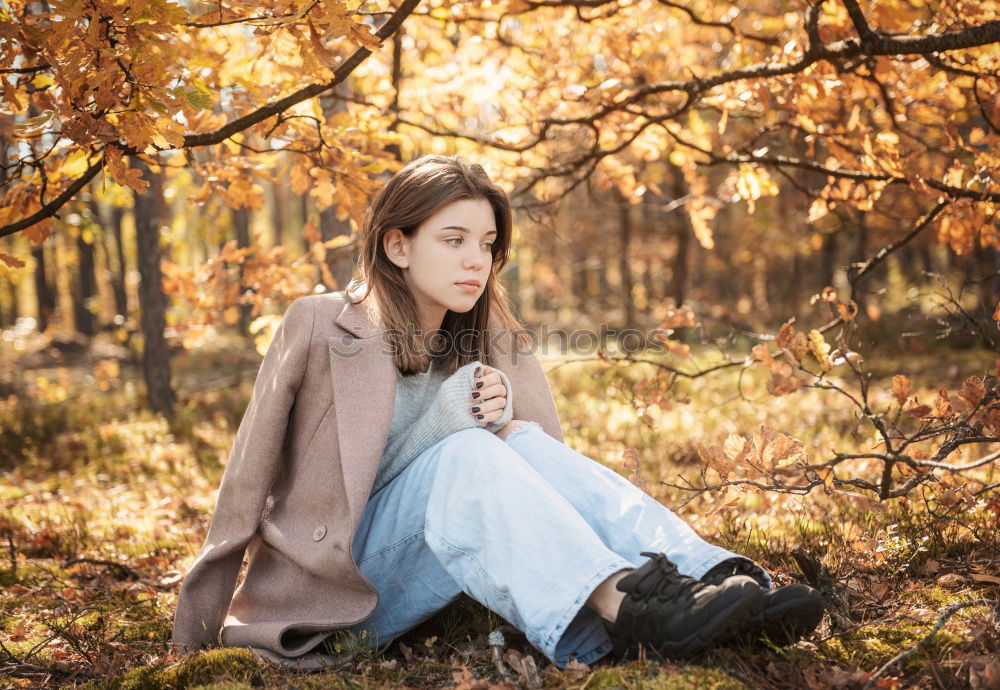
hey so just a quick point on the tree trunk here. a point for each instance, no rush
(8, 316)
(986, 257)
(241, 219)
(86, 284)
(683, 231)
(148, 211)
(827, 261)
(624, 265)
(118, 278)
(397, 80)
(860, 255)
(279, 197)
(46, 297)
(340, 262)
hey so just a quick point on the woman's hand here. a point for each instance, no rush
(489, 396)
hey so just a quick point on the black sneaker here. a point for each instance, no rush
(789, 613)
(678, 616)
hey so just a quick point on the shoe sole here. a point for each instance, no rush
(739, 615)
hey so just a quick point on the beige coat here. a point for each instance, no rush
(298, 478)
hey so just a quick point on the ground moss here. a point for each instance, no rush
(693, 678)
(216, 668)
(643, 676)
(874, 645)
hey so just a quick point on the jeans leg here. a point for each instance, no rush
(513, 543)
(626, 518)
(391, 553)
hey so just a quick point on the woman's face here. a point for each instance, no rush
(447, 261)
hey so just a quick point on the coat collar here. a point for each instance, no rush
(358, 319)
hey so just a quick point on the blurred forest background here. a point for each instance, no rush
(793, 204)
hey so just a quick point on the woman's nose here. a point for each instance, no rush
(474, 260)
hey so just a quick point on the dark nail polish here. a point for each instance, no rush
(479, 385)
(479, 416)
(475, 395)
(475, 409)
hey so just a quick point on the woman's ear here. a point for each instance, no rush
(396, 246)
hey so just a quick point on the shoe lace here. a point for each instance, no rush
(662, 581)
(731, 567)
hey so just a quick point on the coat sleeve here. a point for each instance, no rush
(253, 462)
(529, 388)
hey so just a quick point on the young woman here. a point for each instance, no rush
(402, 446)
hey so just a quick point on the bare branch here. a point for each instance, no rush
(860, 270)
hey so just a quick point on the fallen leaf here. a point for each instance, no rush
(951, 580)
(985, 579)
(930, 567)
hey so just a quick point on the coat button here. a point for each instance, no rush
(319, 533)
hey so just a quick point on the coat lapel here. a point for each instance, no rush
(364, 390)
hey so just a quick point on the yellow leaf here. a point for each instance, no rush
(338, 241)
(231, 315)
(75, 164)
(265, 326)
(819, 348)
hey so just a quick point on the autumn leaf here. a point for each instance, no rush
(785, 334)
(820, 349)
(324, 191)
(901, 389)
(632, 464)
(941, 405)
(715, 458)
(736, 448)
(11, 261)
(761, 353)
(917, 411)
(300, 178)
(973, 391)
(121, 173)
(847, 312)
(678, 318)
(265, 327)
(679, 349)
(782, 382)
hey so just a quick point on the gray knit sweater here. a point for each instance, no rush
(430, 406)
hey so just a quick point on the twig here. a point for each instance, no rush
(125, 570)
(949, 612)
(13, 555)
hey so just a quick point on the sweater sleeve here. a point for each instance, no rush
(448, 412)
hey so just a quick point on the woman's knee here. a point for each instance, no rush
(473, 445)
(511, 426)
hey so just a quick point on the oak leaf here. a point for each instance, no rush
(901, 389)
(121, 173)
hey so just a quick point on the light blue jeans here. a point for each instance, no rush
(526, 526)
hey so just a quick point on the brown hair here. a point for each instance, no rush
(411, 196)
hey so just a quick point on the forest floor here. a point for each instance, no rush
(104, 505)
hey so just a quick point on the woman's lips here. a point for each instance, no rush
(468, 287)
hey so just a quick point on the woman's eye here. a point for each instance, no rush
(488, 245)
(454, 239)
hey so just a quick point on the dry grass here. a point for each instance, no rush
(103, 506)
